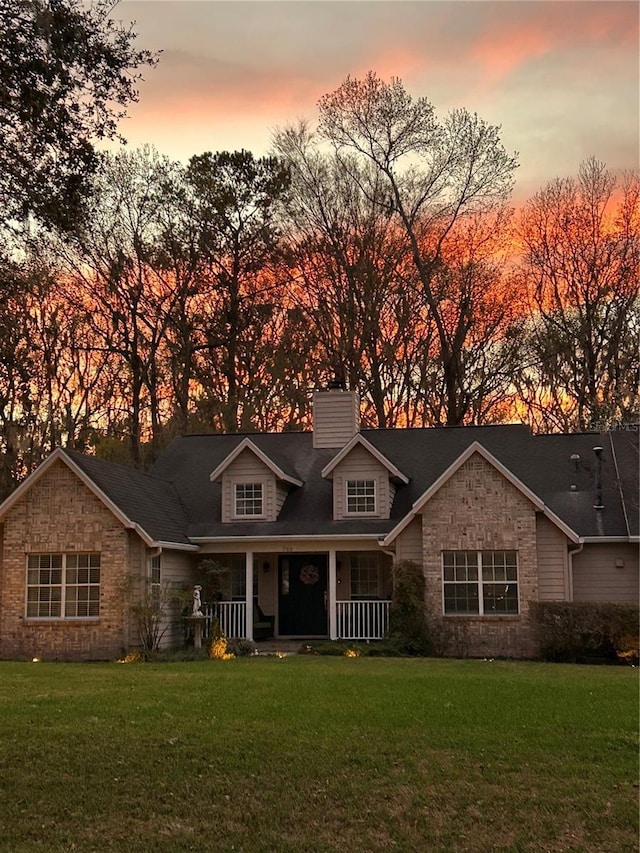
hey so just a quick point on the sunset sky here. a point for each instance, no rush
(561, 77)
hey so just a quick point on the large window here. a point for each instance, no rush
(361, 496)
(480, 582)
(364, 576)
(63, 586)
(248, 499)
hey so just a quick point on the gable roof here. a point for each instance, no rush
(246, 444)
(139, 501)
(176, 503)
(472, 449)
(539, 465)
(360, 440)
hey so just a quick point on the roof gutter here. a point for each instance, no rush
(320, 537)
(606, 540)
(174, 546)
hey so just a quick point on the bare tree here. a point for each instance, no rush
(581, 264)
(117, 273)
(436, 173)
(352, 280)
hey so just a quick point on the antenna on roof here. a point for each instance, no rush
(598, 504)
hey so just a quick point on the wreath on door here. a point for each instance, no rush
(309, 574)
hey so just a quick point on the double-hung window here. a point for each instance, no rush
(248, 500)
(361, 497)
(480, 582)
(63, 586)
(238, 578)
(365, 576)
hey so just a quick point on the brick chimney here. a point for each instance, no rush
(336, 417)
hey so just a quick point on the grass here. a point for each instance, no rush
(318, 754)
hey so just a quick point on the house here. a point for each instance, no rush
(307, 526)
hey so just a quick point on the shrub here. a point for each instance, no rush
(574, 631)
(217, 643)
(334, 648)
(408, 628)
(241, 648)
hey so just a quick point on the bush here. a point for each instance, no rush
(334, 648)
(408, 630)
(586, 631)
(241, 648)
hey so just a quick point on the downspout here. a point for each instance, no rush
(570, 578)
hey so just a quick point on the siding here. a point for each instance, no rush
(359, 464)
(336, 418)
(247, 468)
(178, 573)
(409, 542)
(281, 495)
(553, 561)
(596, 577)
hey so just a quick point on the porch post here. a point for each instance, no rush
(248, 569)
(333, 621)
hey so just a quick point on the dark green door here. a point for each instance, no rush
(302, 595)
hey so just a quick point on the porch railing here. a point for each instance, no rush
(231, 616)
(355, 620)
(362, 620)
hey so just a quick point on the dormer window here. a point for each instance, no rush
(248, 500)
(361, 497)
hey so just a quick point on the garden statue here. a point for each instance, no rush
(197, 602)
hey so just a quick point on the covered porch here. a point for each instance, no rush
(303, 594)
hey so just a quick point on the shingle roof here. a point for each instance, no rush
(144, 499)
(543, 463)
(177, 503)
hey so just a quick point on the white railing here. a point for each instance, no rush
(362, 620)
(232, 618)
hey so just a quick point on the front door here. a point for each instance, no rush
(302, 595)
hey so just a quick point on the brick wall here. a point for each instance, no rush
(478, 509)
(60, 514)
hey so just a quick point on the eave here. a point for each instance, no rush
(476, 447)
(247, 444)
(380, 457)
(59, 455)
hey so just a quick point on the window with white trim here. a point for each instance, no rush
(361, 497)
(248, 499)
(364, 576)
(237, 589)
(155, 569)
(483, 583)
(63, 586)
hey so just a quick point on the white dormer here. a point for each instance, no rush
(254, 487)
(364, 481)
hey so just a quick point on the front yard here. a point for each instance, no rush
(303, 754)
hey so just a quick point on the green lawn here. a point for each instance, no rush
(318, 754)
